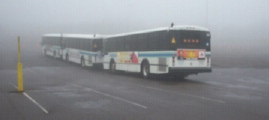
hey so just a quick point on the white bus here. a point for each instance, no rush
(51, 45)
(83, 49)
(182, 50)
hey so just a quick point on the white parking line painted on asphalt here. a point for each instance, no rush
(112, 96)
(199, 97)
(33, 100)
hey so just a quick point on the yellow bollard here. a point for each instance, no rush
(20, 69)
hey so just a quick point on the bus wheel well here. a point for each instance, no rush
(145, 69)
(112, 60)
(144, 61)
(112, 65)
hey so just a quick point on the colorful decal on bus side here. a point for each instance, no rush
(190, 54)
(134, 57)
(128, 57)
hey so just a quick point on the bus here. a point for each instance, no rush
(83, 49)
(51, 45)
(179, 51)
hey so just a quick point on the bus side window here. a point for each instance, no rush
(94, 46)
(128, 43)
(134, 43)
(78, 42)
(154, 41)
(119, 44)
(143, 42)
(100, 44)
(54, 41)
(82, 44)
(163, 40)
(66, 42)
(74, 43)
(69, 43)
(113, 44)
(97, 45)
(49, 41)
(107, 45)
(59, 41)
(87, 44)
(110, 44)
(104, 49)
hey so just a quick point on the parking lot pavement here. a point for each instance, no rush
(67, 91)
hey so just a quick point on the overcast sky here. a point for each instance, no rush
(230, 21)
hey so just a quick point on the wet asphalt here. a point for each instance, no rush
(68, 91)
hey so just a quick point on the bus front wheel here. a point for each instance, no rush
(145, 70)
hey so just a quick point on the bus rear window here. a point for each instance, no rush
(190, 39)
(97, 45)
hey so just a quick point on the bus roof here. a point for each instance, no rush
(74, 35)
(178, 27)
(52, 35)
(82, 35)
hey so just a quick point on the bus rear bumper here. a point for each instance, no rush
(194, 70)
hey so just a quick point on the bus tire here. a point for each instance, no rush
(112, 66)
(145, 70)
(82, 62)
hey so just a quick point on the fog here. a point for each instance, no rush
(238, 28)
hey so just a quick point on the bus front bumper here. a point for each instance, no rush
(188, 70)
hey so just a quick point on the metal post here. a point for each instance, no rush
(20, 69)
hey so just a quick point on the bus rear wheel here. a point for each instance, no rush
(112, 67)
(145, 71)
